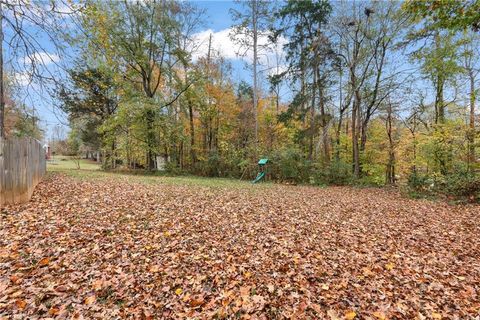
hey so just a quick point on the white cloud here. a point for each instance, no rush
(229, 49)
(273, 70)
(43, 58)
(22, 78)
(64, 7)
(221, 43)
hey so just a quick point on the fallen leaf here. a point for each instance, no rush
(333, 315)
(178, 291)
(350, 315)
(245, 291)
(97, 285)
(44, 262)
(53, 311)
(379, 315)
(197, 301)
(154, 268)
(270, 288)
(14, 278)
(21, 304)
(389, 266)
(90, 300)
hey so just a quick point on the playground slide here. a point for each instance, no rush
(259, 177)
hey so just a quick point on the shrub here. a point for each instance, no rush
(461, 185)
(172, 168)
(289, 164)
(337, 173)
(419, 182)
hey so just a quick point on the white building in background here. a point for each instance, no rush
(48, 152)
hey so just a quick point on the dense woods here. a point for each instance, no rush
(340, 92)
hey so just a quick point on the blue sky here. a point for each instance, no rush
(218, 17)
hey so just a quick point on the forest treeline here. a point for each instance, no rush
(339, 92)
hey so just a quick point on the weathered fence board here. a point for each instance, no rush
(22, 166)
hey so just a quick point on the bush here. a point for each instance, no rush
(462, 185)
(289, 164)
(172, 168)
(419, 182)
(337, 173)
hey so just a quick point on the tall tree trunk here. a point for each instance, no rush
(355, 107)
(355, 126)
(193, 157)
(312, 119)
(390, 170)
(471, 135)
(206, 125)
(440, 119)
(413, 131)
(215, 132)
(255, 61)
(150, 118)
(337, 136)
(439, 102)
(325, 122)
(2, 89)
(371, 107)
(340, 119)
(128, 149)
(112, 155)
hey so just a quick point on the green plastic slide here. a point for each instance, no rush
(259, 177)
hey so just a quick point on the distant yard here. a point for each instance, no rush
(59, 163)
(104, 246)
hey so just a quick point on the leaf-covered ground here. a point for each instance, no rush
(113, 248)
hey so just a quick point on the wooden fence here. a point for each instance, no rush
(22, 166)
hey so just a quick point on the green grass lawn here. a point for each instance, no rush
(91, 170)
(64, 163)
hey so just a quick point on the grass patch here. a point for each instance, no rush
(64, 163)
(90, 170)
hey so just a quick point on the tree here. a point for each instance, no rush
(24, 21)
(439, 62)
(90, 100)
(190, 20)
(144, 37)
(310, 58)
(73, 146)
(390, 177)
(357, 57)
(366, 37)
(471, 66)
(252, 24)
(450, 14)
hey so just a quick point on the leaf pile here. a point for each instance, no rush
(112, 248)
